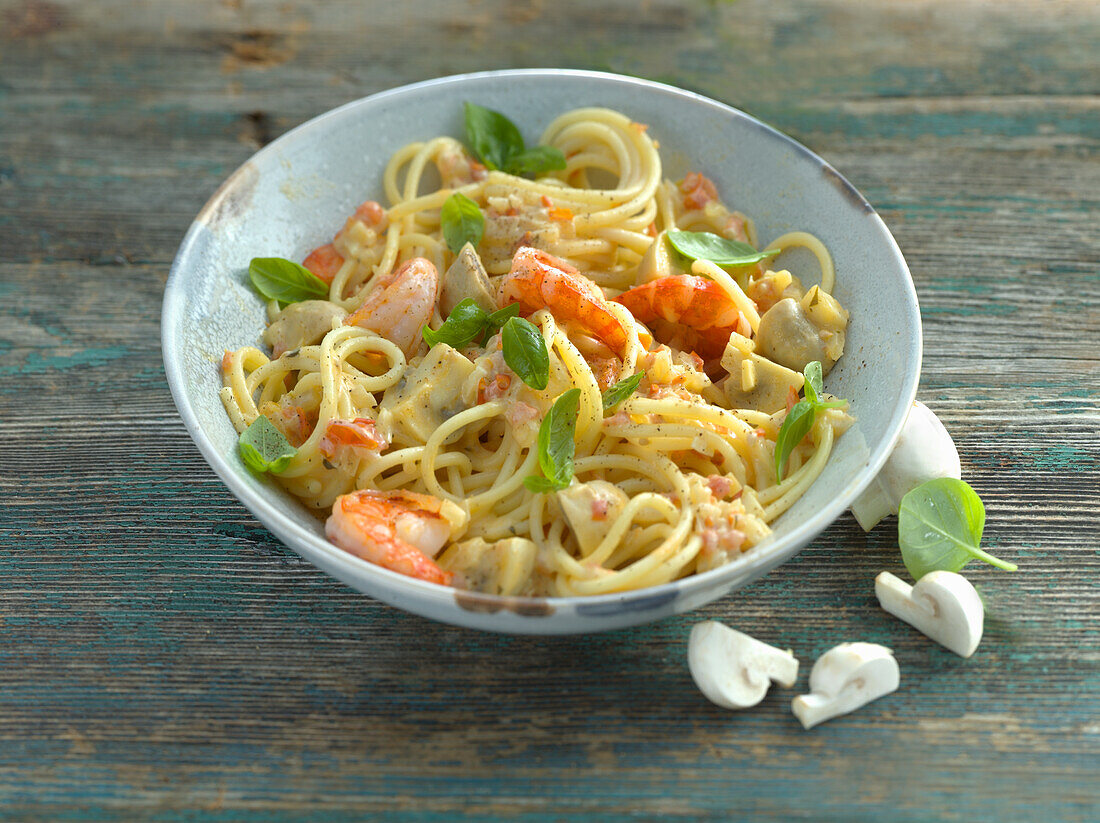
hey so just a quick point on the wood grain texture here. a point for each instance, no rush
(163, 657)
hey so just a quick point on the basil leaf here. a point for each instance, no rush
(540, 485)
(702, 245)
(462, 222)
(492, 136)
(284, 280)
(812, 386)
(614, 395)
(940, 525)
(525, 352)
(797, 424)
(535, 160)
(465, 322)
(502, 316)
(264, 448)
(557, 446)
(494, 321)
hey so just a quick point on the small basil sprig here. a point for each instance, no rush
(702, 245)
(525, 352)
(462, 222)
(940, 527)
(800, 419)
(556, 445)
(467, 322)
(498, 144)
(284, 280)
(522, 343)
(263, 447)
(614, 395)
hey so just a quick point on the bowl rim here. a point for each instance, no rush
(342, 565)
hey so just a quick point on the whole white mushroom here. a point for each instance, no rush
(924, 451)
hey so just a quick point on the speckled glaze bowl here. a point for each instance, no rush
(298, 190)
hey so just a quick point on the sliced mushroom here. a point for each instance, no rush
(429, 395)
(301, 324)
(590, 509)
(658, 261)
(943, 605)
(733, 669)
(788, 337)
(924, 451)
(466, 278)
(843, 679)
(756, 382)
(503, 567)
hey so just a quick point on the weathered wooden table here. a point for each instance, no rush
(162, 656)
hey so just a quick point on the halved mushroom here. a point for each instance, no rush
(301, 324)
(733, 669)
(466, 278)
(787, 336)
(943, 605)
(794, 333)
(843, 679)
(501, 567)
(658, 261)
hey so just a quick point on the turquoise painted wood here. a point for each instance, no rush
(163, 658)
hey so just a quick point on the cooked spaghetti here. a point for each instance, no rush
(420, 453)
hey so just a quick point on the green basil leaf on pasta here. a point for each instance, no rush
(812, 387)
(702, 245)
(494, 321)
(540, 485)
(557, 445)
(285, 280)
(535, 160)
(525, 352)
(614, 395)
(492, 136)
(264, 448)
(462, 222)
(465, 322)
(796, 425)
(940, 526)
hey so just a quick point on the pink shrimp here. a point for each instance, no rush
(685, 311)
(539, 280)
(399, 306)
(371, 214)
(398, 530)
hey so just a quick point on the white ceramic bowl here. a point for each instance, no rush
(297, 191)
